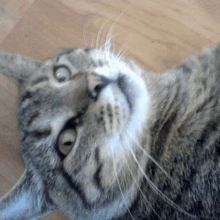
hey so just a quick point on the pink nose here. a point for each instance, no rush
(95, 83)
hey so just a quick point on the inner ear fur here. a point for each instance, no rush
(17, 66)
(27, 200)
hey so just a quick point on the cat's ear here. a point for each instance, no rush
(17, 66)
(27, 200)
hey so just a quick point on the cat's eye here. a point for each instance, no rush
(62, 74)
(66, 141)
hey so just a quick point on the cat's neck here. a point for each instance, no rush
(164, 92)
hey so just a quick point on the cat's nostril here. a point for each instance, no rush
(96, 83)
(98, 88)
(121, 81)
(126, 88)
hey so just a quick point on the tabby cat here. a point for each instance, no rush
(102, 139)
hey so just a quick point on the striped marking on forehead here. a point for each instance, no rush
(80, 59)
(39, 80)
(62, 52)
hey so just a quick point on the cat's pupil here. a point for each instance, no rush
(62, 74)
(98, 88)
(62, 79)
(67, 140)
(68, 143)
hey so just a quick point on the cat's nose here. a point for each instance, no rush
(95, 84)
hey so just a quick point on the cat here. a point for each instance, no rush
(103, 139)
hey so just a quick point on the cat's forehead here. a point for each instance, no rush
(92, 59)
(83, 57)
(78, 58)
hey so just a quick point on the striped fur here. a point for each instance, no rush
(139, 145)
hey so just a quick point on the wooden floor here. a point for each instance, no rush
(157, 34)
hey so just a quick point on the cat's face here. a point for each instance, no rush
(80, 114)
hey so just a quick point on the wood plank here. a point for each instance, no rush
(160, 33)
(11, 13)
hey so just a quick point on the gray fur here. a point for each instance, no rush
(147, 147)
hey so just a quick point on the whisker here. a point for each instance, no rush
(120, 185)
(124, 54)
(120, 15)
(113, 45)
(140, 188)
(122, 51)
(84, 34)
(155, 162)
(108, 37)
(107, 46)
(164, 197)
(100, 30)
(92, 42)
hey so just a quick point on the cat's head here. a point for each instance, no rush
(82, 113)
